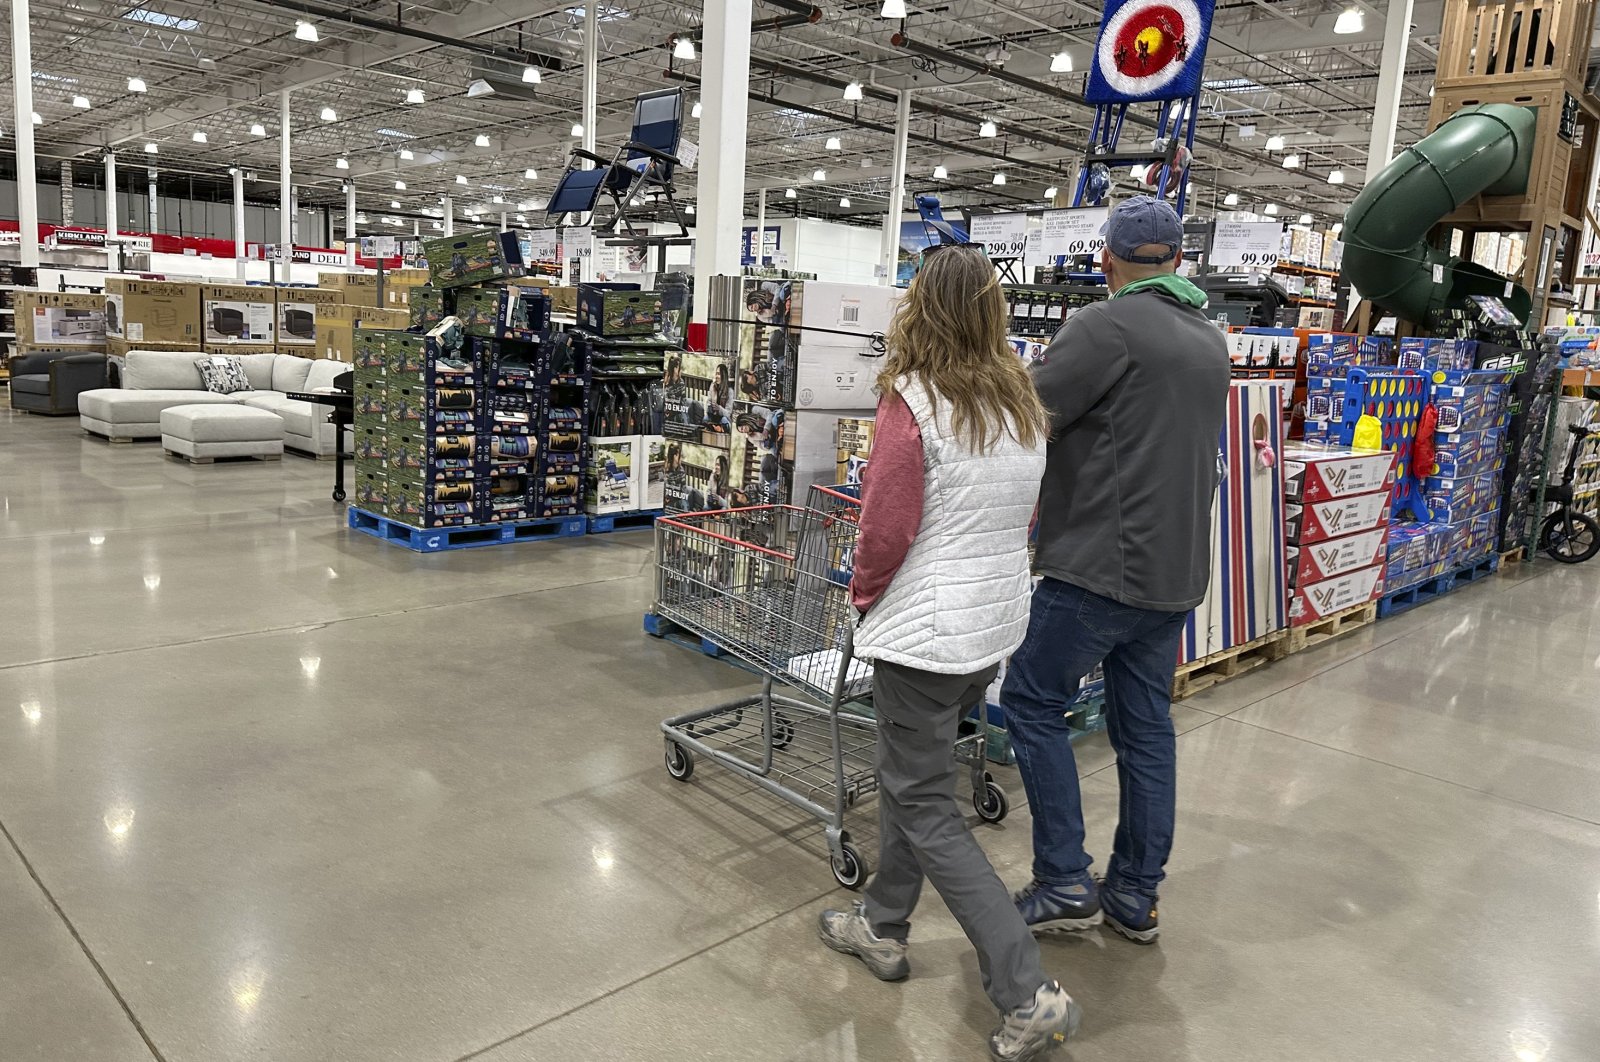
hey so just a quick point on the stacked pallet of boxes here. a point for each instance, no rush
(59, 320)
(238, 319)
(1337, 525)
(302, 316)
(791, 363)
(622, 348)
(1463, 491)
(151, 315)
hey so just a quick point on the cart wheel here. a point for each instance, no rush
(1570, 537)
(990, 802)
(679, 763)
(338, 495)
(782, 732)
(849, 870)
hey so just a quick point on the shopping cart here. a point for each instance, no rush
(770, 584)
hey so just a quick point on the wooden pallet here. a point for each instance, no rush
(1514, 556)
(1311, 635)
(1202, 674)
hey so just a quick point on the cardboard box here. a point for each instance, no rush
(809, 343)
(423, 503)
(60, 320)
(336, 327)
(859, 308)
(117, 349)
(1316, 521)
(297, 314)
(615, 473)
(1311, 474)
(825, 448)
(370, 443)
(434, 457)
(563, 300)
(353, 289)
(1335, 556)
(429, 306)
(1314, 601)
(695, 477)
(147, 312)
(473, 258)
(854, 448)
(612, 312)
(698, 397)
(237, 315)
(514, 311)
(437, 359)
(398, 284)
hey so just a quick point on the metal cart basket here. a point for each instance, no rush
(770, 584)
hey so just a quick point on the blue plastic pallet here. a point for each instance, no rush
(439, 539)
(1420, 594)
(638, 520)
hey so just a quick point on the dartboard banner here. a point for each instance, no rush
(1150, 50)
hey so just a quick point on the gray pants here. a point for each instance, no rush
(924, 835)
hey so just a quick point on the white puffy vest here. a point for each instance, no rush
(960, 600)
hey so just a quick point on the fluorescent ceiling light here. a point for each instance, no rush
(852, 91)
(460, 179)
(1336, 177)
(136, 84)
(689, 209)
(834, 144)
(577, 128)
(257, 129)
(305, 31)
(999, 178)
(499, 199)
(1136, 172)
(1051, 192)
(438, 226)
(1274, 143)
(694, 112)
(399, 186)
(892, 9)
(1291, 162)
(361, 219)
(151, 149)
(530, 75)
(988, 129)
(341, 164)
(481, 140)
(1350, 20)
(1272, 208)
(81, 102)
(37, 118)
(1305, 219)
(1231, 199)
(394, 204)
(866, 163)
(329, 114)
(844, 201)
(405, 153)
(940, 173)
(416, 95)
(530, 174)
(819, 175)
(522, 217)
(789, 193)
(683, 49)
(479, 87)
(1061, 63)
(198, 136)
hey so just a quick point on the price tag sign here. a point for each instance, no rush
(1073, 231)
(688, 152)
(780, 259)
(1254, 244)
(1003, 235)
(580, 242)
(543, 245)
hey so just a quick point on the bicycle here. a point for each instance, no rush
(1569, 535)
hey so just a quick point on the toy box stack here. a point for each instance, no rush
(1329, 358)
(788, 361)
(1246, 597)
(1464, 490)
(1337, 525)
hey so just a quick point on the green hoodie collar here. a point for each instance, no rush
(1171, 284)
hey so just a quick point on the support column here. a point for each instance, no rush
(111, 211)
(591, 76)
(1391, 71)
(449, 216)
(22, 94)
(759, 245)
(68, 200)
(897, 188)
(503, 226)
(349, 226)
(153, 201)
(724, 91)
(238, 221)
(416, 227)
(285, 192)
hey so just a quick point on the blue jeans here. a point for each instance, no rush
(1071, 630)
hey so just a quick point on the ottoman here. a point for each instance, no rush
(203, 433)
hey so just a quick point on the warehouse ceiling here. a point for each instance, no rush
(218, 67)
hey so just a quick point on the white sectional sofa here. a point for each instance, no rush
(154, 380)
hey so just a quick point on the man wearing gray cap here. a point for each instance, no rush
(1137, 389)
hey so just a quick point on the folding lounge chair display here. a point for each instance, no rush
(940, 231)
(643, 166)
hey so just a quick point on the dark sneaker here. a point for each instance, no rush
(1036, 1029)
(1056, 908)
(848, 932)
(1132, 914)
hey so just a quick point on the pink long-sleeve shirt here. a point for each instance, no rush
(891, 501)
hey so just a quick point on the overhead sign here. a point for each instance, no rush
(1252, 244)
(1076, 231)
(1002, 235)
(77, 238)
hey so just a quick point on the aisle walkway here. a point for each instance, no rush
(270, 790)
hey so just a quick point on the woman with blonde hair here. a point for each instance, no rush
(941, 582)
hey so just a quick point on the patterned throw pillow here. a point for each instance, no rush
(223, 374)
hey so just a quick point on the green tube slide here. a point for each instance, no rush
(1480, 150)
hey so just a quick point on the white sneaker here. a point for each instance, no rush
(1037, 1028)
(850, 933)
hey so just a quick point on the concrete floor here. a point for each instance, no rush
(274, 790)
